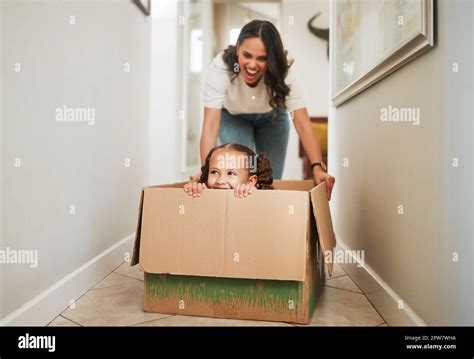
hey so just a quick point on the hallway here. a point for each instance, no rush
(101, 100)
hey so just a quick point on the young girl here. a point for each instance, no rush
(233, 166)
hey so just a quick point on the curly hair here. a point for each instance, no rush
(278, 63)
(263, 170)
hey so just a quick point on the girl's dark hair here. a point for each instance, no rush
(263, 169)
(278, 63)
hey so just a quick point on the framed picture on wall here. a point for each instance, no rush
(371, 39)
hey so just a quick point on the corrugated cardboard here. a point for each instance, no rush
(240, 245)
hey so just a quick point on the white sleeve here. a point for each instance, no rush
(217, 82)
(295, 99)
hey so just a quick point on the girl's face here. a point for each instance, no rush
(252, 56)
(229, 168)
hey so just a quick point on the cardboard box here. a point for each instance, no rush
(259, 257)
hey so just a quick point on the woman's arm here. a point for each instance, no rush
(312, 147)
(210, 131)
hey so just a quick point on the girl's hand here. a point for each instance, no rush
(243, 190)
(194, 188)
(196, 177)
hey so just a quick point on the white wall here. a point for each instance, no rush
(70, 163)
(165, 125)
(392, 164)
(167, 131)
(1, 158)
(311, 66)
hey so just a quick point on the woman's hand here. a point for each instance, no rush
(312, 147)
(243, 190)
(193, 188)
(320, 176)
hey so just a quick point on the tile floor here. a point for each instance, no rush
(118, 301)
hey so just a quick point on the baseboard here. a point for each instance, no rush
(380, 294)
(46, 306)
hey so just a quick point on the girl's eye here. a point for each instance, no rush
(262, 59)
(247, 56)
(213, 172)
(232, 173)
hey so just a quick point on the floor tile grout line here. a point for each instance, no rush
(347, 290)
(372, 305)
(355, 284)
(75, 301)
(121, 264)
(70, 320)
(124, 275)
(113, 271)
(152, 320)
(83, 294)
(281, 324)
(352, 291)
(361, 292)
(129, 276)
(113, 286)
(334, 277)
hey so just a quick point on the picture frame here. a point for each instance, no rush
(372, 39)
(144, 6)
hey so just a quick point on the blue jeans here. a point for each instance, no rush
(259, 132)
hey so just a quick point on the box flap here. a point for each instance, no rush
(161, 230)
(322, 215)
(136, 247)
(181, 234)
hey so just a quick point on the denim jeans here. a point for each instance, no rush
(259, 132)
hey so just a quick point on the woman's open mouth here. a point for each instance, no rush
(251, 74)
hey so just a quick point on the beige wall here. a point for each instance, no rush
(393, 164)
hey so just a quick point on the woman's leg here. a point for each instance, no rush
(235, 129)
(271, 138)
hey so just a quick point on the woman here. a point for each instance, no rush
(248, 95)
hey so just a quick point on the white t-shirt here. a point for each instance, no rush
(238, 97)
